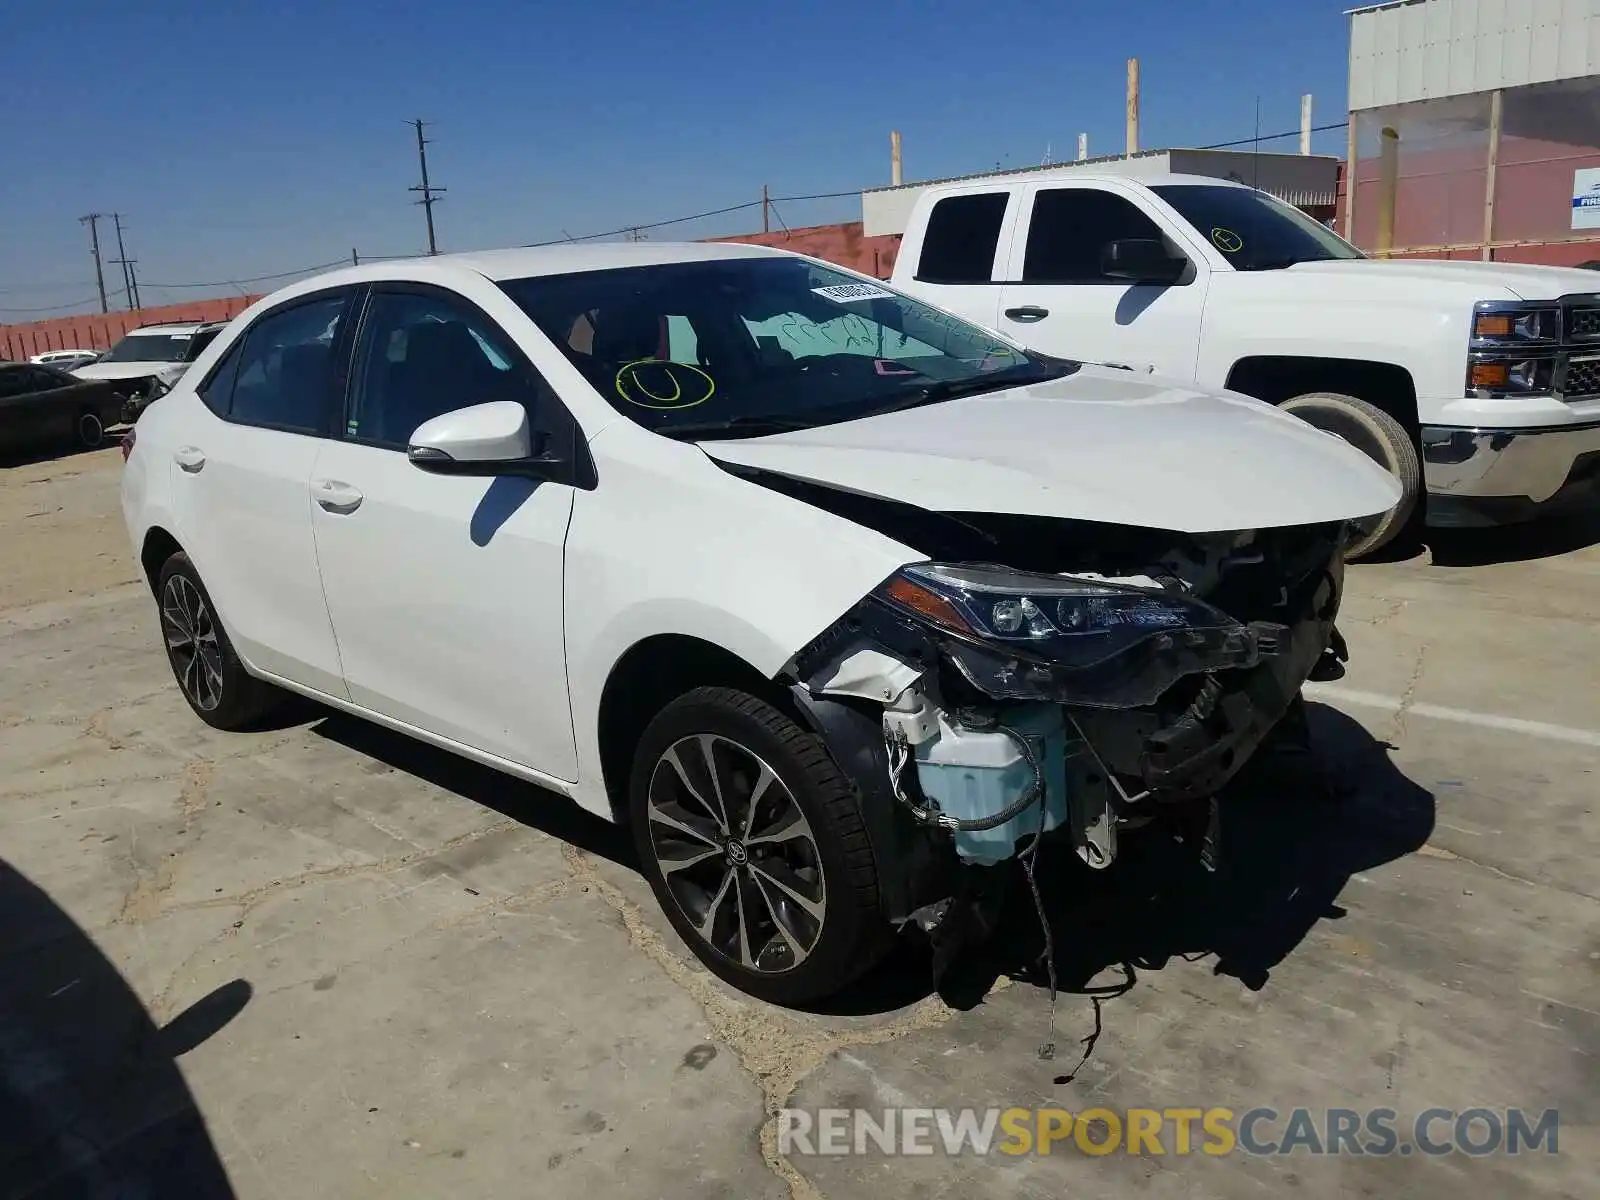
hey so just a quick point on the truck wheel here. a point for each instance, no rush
(1381, 438)
(752, 840)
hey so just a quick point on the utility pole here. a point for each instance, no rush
(130, 281)
(766, 209)
(93, 222)
(425, 187)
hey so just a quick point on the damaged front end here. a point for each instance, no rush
(1104, 677)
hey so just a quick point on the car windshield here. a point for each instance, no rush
(150, 347)
(1252, 230)
(740, 346)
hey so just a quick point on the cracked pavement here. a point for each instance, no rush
(328, 961)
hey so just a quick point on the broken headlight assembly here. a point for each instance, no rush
(1068, 639)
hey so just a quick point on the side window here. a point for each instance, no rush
(217, 391)
(423, 354)
(39, 379)
(1069, 229)
(962, 236)
(285, 372)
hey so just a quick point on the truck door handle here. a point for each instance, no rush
(1027, 314)
(190, 458)
(336, 497)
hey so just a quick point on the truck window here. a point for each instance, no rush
(1069, 229)
(962, 236)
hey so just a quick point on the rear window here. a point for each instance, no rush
(962, 237)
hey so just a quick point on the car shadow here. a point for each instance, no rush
(523, 802)
(33, 456)
(92, 1101)
(1291, 838)
(1549, 537)
(1292, 835)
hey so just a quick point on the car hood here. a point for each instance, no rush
(1098, 445)
(1524, 281)
(130, 370)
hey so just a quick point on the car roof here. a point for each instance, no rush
(175, 327)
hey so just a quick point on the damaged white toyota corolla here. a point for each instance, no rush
(834, 598)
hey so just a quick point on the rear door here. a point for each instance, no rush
(241, 479)
(446, 591)
(962, 249)
(1059, 301)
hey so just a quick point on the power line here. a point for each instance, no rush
(428, 199)
(53, 308)
(1272, 137)
(338, 262)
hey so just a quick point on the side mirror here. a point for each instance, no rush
(1142, 260)
(486, 439)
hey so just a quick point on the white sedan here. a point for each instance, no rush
(832, 596)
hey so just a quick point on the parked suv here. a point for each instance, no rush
(1476, 384)
(148, 360)
(830, 595)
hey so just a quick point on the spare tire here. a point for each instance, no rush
(1381, 438)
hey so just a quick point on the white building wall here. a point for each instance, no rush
(1411, 50)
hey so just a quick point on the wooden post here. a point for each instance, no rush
(1133, 107)
(1388, 187)
(1496, 112)
(895, 177)
(1305, 124)
(766, 210)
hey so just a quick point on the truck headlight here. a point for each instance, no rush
(1494, 375)
(1020, 635)
(1509, 323)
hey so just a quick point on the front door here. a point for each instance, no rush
(1061, 302)
(240, 481)
(445, 592)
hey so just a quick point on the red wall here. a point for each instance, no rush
(844, 244)
(98, 332)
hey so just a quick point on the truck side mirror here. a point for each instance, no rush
(1142, 260)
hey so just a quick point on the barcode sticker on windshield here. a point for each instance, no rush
(845, 293)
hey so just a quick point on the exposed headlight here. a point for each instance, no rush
(1082, 641)
(1499, 323)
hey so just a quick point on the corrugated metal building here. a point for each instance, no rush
(1475, 129)
(1308, 181)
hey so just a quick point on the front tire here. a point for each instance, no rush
(1381, 438)
(89, 431)
(212, 679)
(753, 843)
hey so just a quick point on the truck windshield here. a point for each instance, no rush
(1252, 230)
(741, 347)
(150, 347)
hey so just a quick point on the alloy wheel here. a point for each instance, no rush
(90, 431)
(737, 853)
(192, 646)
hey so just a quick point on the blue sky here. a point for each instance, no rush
(243, 140)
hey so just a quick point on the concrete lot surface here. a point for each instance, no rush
(321, 960)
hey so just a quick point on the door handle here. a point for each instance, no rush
(190, 458)
(1027, 314)
(336, 497)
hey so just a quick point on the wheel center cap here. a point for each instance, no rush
(737, 854)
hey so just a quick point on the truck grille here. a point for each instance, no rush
(1583, 324)
(1583, 378)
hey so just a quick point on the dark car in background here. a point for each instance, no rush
(43, 408)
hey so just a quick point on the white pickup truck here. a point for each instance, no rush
(1477, 384)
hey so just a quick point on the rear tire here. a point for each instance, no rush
(212, 679)
(1381, 438)
(90, 431)
(781, 902)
